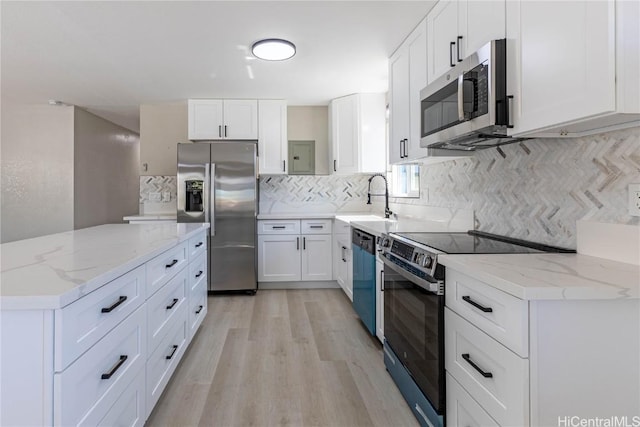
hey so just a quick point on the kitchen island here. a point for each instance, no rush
(95, 321)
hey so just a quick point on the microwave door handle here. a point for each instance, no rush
(212, 199)
(461, 97)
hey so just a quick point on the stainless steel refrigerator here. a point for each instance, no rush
(217, 183)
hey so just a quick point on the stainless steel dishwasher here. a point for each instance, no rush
(364, 277)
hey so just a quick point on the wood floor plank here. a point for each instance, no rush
(282, 358)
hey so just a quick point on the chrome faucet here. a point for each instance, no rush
(387, 211)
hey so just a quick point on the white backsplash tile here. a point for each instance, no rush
(157, 185)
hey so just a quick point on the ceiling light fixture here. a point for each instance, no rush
(273, 49)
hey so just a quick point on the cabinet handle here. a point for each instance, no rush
(199, 309)
(406, 151)
(199, 244)
(122, 299)
(304, 243)
(381, 280)
(476, 367)
(316, 226)
(458, 48)
(468, 299)
(509, 107)
(174, 262)
(175, 347)
(297, 243)
(114, 369)
(219, 131)
(284, 166)
(334, 166)
(342, 254)
(225, 131)
(278, 227)
(401, 154)
(173, 303)
(199, 274)
(451, 54)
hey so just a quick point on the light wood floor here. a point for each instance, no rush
(282, 357)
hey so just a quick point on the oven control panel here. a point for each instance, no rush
(413, 257)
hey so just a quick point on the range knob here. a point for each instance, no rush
(385, 242)
(428, 261)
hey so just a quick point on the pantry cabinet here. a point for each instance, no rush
(211, 119)
(574, 71)
(294, 250)
(357, 134)
(272, 137)
(458, 28)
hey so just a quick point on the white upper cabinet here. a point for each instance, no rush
(272, 140)
(457, 28)
(223, 119)
(357, 132)
(573, 71)
(407, 77)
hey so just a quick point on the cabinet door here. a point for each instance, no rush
(479, 22)
(380, 300)
(240, 119)
(561, 64)
(316, 257)
(279, 258)
(399, 105)
(442, 27)
(417, 82)
(344, 129)
(205, 119)
(272, 140)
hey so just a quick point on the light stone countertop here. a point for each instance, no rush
(150, 217)
(401, 225)
(551, 276)
(297, 215)
(52, 271)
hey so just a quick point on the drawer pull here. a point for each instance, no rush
(173, 303)
(175, 347)
(123, 358)
(476, 305)
(174, 262)
(199, 309)
(199, 244)
(278, 227)
(199, 274)
(122, 299)
(316, 226)
(476, 367)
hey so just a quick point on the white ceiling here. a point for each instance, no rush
(111, 56)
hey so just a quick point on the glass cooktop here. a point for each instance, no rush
(474, 242)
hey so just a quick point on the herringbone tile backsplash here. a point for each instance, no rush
(534, 190)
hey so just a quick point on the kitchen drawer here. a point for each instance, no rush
(508, 320)
(163, 361)
(81, 324)
(462, 410)
(316, 226)
(83, 388)
(505, 394)
(129, 408)
(164, 307)
(279, 226)
(165, 266)
(197, 271)
(197, 245)
(341, 227)
(197, 307)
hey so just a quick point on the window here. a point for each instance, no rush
(405, 180)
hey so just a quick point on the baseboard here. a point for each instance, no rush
(324, 284)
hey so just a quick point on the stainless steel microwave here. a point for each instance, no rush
(468, 108)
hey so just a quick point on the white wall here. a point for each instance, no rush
(37, 171)
(106, 180)
(307, 123)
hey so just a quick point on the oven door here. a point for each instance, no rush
(414, 329)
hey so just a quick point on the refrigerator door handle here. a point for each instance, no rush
(212, 198)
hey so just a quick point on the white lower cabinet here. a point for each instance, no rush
(379, 299)
(129, 409)
(286, 257)
(462, 410)
(342, 256)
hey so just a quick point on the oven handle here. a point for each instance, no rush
(435, 288)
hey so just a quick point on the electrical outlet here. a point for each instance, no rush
(634, 199)
(155, 197)
(166, 196)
